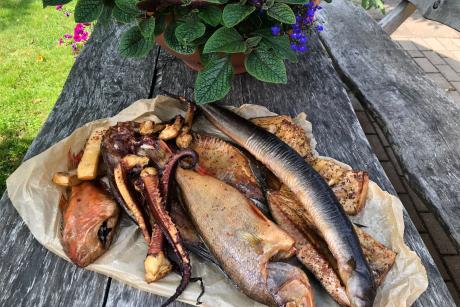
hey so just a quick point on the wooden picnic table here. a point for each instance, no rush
(100, 84)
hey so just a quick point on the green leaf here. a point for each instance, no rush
(282, 12)
(252, 42)
(128, 6)
(88, 10)
(147, 27)
(134, 44)
(212, 15)
(266, 66)
(122, 16)
(216, 1)
(294, 1)
(225, 40)
(174, 44)
(234, 13)
(106, 16)
(54, 2)
(268, 4)
(187, 32)
(279, 44)
(378, 4)
(214, 81)
(208, 57)
(160, 24)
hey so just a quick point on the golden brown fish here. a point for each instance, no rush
(313, 252)
(312, 191)
(244, 241)
(89, 219)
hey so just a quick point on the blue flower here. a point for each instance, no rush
(276, 29)
(319, 28)
(294, 46)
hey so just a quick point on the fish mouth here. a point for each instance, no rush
(289, 285)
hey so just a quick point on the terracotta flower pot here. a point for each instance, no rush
(194, 62)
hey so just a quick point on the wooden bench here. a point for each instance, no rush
(446, 12)
(100, 84)
(421, 122)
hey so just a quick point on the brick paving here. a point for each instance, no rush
(436, 50)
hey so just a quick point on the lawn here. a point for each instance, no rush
(33, 69)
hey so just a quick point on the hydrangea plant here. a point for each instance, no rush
(266, 32)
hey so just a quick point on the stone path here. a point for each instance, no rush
(436, 49)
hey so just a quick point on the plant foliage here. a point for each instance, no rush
(266, 33)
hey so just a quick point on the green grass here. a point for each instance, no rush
(28, 87)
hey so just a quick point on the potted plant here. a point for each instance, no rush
(218, 38)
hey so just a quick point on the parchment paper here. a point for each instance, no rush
(36, 199)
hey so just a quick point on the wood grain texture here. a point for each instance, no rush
(443, 11)
(397, 16)
(420, 121)
(315, 88)
(99, 85)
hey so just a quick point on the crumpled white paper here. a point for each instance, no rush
(36, 199)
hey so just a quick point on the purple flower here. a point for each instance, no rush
(59, 7)
(79, 33)
(294, 46)
(303, 39)
(68, 36)
(319, 28)
(74, 46)
(61, 41)
(302, 48)
(276, 29)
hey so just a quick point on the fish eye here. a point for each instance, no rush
(103, 233)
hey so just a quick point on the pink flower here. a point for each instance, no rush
(59, 7)
(61, 41)
(68, 36)
(79, 33)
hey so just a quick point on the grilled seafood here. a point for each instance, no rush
(244, 241)
(313, 252)
(350, 187)
(313, 193)
(89, 219)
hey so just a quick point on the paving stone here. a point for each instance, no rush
(419, 203)
(365, 122)
(420, 44)
(455, 294)
(407, 203)
(425, 65)
(394, 160)
(439, 235)
(456, 85)
(434, 44)
(453, 265)
(377, 147)
(439, 79)
(415, 53)
(448, 72)
(455, 64)
(407, 45)
(433, 57)
(393, 176)
(436, 257)
(381, 135)
(449, 43)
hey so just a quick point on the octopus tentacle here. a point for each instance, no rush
(151, 185)
(170, 168)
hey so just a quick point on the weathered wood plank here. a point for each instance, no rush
(443, 11)
(100, 84)
(419, 119)
(397, 16)
(315, 88)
